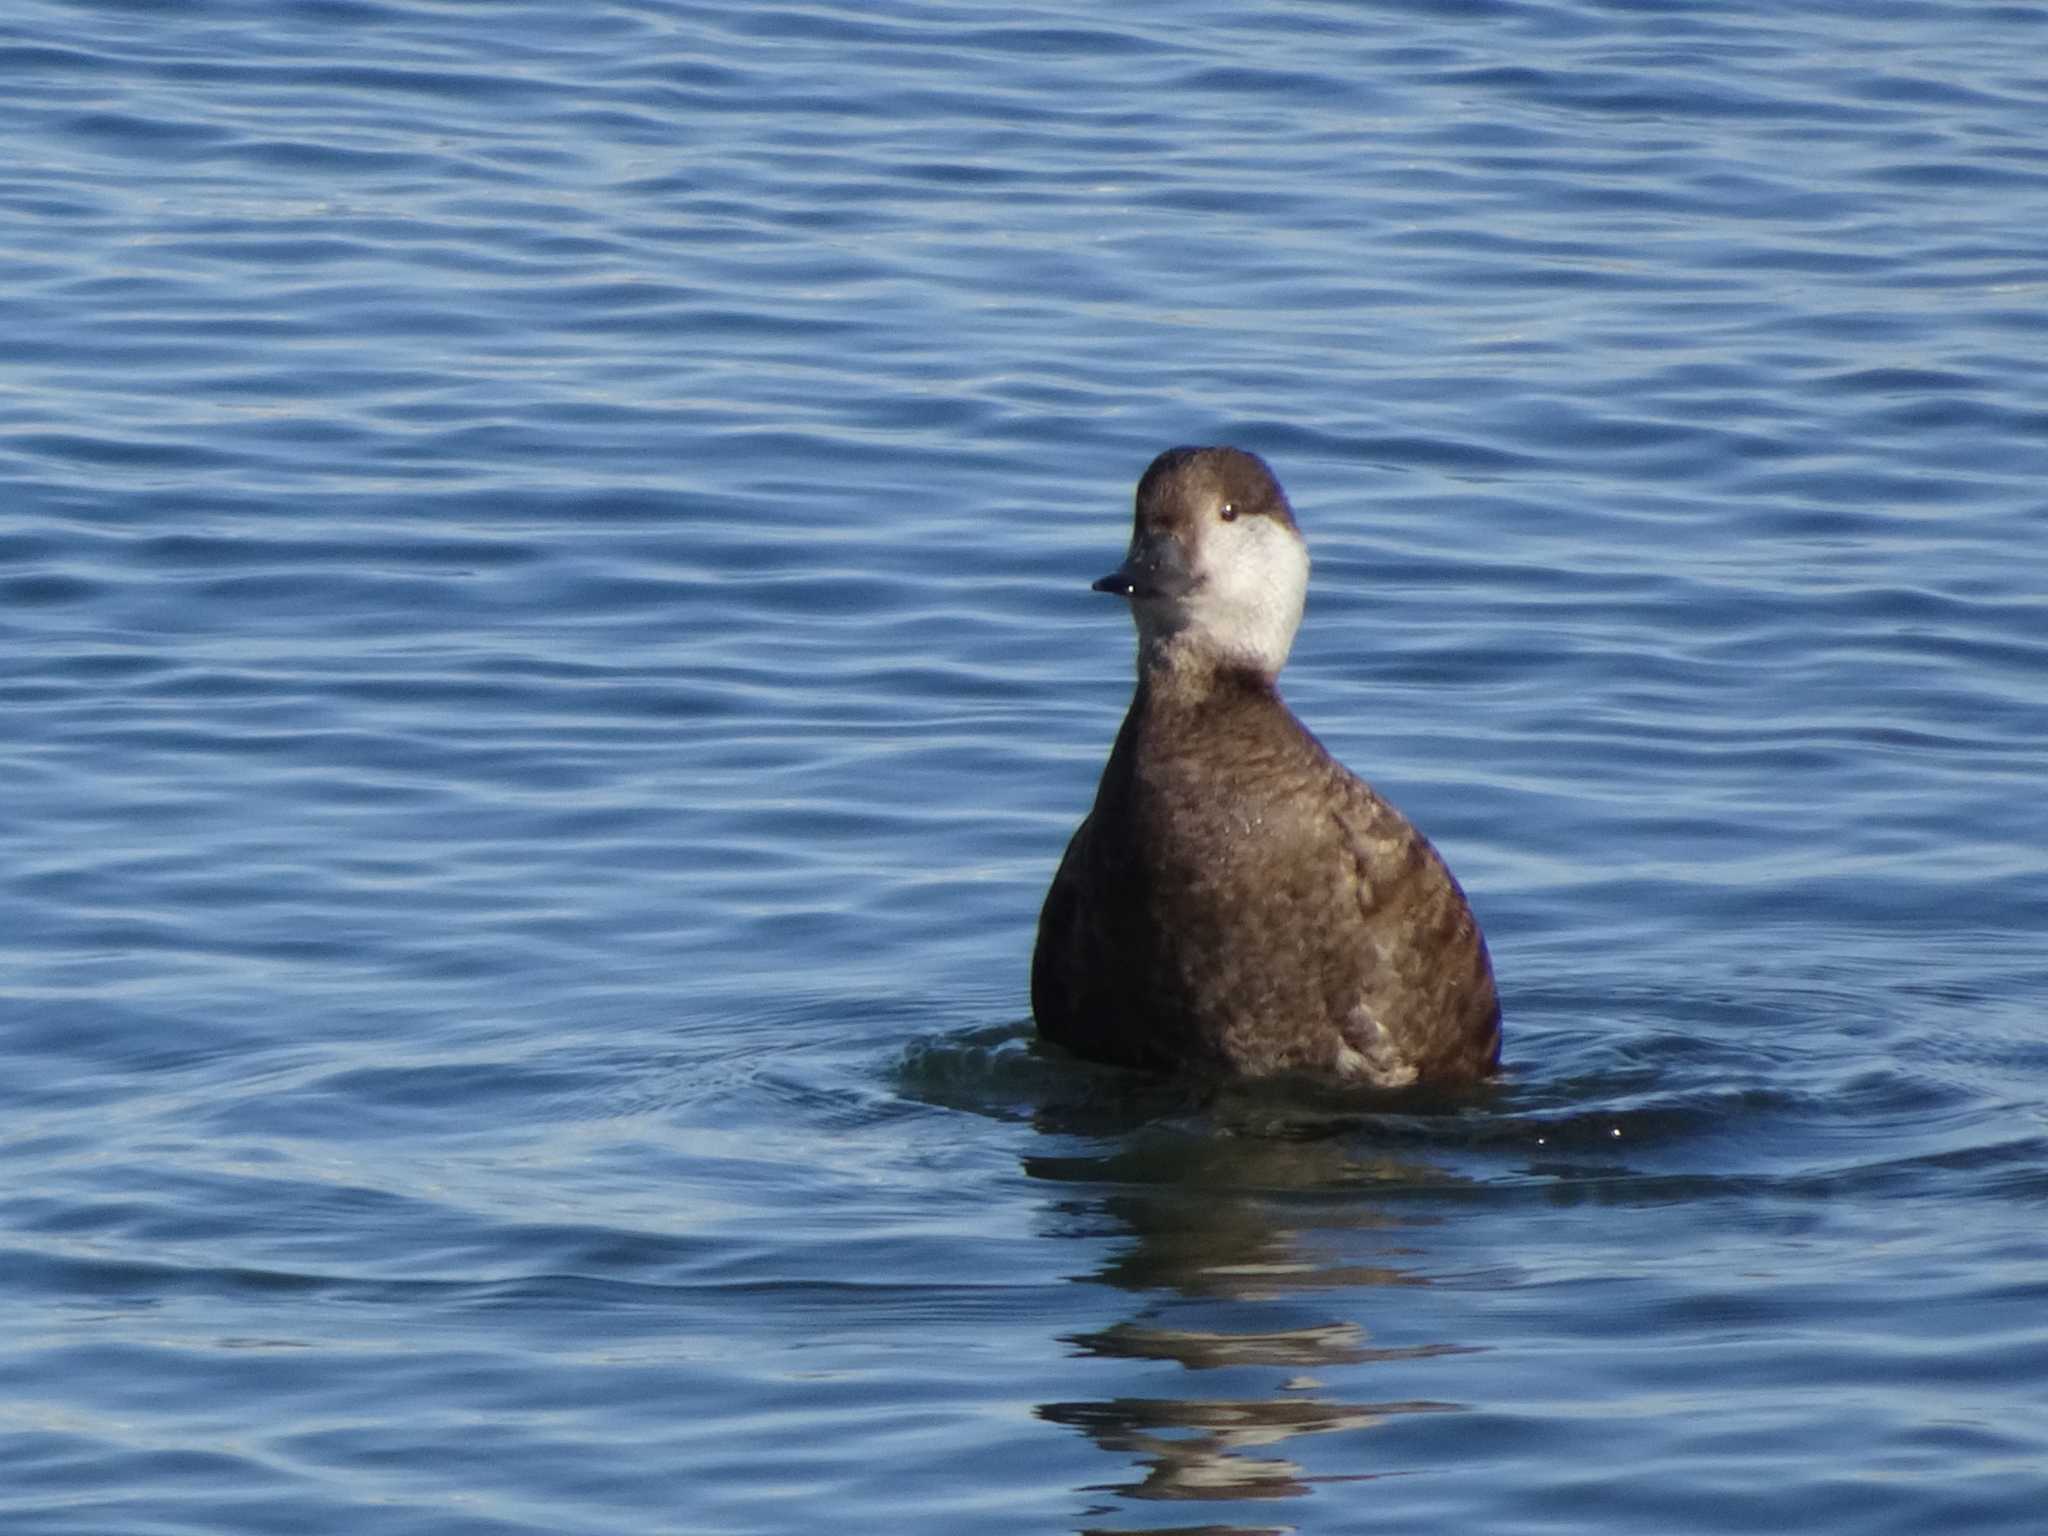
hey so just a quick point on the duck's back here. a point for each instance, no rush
(1237, 901)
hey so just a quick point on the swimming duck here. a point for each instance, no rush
(1237, 902)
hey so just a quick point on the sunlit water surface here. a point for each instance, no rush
(546, 660)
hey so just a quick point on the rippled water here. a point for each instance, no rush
(545, 661)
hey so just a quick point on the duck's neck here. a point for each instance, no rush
(1180, 667)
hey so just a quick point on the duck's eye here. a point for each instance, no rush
(1229, 512)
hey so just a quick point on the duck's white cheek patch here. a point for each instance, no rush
(1255, 578)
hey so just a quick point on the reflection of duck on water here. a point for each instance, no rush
(1208, 1461)
(1251, 1256)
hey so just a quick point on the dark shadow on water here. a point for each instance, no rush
(1251, 1260)
(1251, 1226)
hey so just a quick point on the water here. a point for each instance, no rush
(546, 662)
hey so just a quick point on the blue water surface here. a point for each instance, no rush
(546, 661)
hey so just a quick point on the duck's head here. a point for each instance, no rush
(1217, 569)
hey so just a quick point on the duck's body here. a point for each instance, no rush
(1237, 902)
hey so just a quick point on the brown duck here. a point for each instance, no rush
(1237, 902)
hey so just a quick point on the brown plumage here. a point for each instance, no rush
(1237, 902)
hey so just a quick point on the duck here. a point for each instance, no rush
(1237, 903)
